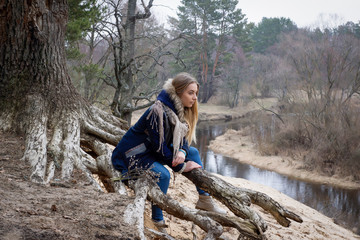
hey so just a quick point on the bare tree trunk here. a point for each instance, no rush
(37, 97)
(126, 64)
(128, 92)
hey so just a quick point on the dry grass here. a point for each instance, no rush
(328, 141)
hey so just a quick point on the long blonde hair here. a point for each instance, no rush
(180, 83)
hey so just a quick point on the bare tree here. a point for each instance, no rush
(321, 97)
(234, 74)
(138, 46)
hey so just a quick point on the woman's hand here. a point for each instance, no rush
(180, 158)
(190, 165)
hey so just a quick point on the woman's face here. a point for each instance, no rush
(189, 96)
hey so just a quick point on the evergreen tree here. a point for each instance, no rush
(266, 33)
(82, 15)
(212, 29)
(349, 28)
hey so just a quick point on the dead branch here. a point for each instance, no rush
(176, 209)
(134, 212)
(233, 197)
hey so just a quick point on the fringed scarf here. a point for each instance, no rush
(180, 128)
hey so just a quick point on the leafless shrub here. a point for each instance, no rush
(320, 107)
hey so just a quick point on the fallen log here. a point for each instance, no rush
(239, 199)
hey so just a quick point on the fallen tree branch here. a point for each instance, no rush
(134, 212)
(237, 201)
(270, 205)
(234, 198)
(176, 209)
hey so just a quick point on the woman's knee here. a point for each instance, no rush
(165, 175)
(161, 172)
(193, 151)
(194, 156)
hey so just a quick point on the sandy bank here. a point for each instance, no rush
(315, 225)
(211, 112)
(237, 145)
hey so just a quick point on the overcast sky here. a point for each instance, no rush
(305, 13)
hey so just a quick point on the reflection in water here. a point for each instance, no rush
(340, 204)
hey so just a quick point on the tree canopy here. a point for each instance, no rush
(267, 32)
(82, 15)
(213, 29)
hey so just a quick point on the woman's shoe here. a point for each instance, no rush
(161, 225)
(208, 204)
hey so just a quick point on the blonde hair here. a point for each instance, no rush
(180, 83)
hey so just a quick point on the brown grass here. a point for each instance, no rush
(328, 141)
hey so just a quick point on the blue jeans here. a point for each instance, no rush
(164, 180)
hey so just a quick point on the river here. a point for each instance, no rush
(342, 205)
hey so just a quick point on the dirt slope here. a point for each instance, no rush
(62, 211)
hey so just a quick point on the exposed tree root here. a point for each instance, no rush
(245, 227)
(173, 207)
(270, 205)
(229, 195)
(252, 226)
(36, 137)
(237, 201)
(53, 142)
(104, 166)
(134, 213)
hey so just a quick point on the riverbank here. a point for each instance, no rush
(238, 145)
(315, 225)
(211, 112)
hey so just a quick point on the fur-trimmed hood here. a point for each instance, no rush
(175, 99)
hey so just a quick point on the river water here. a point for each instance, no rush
(342, 205)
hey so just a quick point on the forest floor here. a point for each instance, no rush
(74, 210)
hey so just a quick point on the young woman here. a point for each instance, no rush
(162, 137)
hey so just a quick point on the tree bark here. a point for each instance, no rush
(238, 199)
(32, 53)
(37, 97)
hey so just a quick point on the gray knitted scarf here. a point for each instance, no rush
(180, 128)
